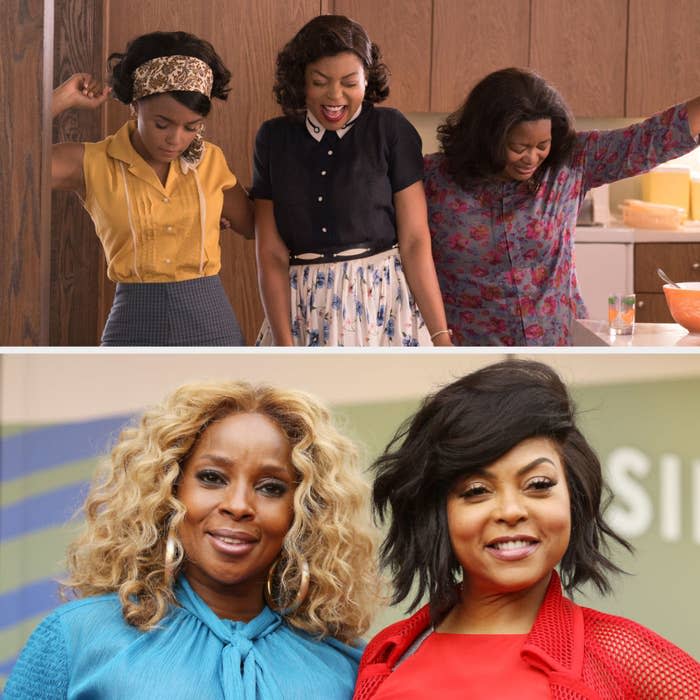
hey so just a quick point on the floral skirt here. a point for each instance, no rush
(361, 302)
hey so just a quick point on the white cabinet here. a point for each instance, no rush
(603, 269)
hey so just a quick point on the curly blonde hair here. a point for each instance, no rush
(132, 508)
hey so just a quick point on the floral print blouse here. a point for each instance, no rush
(504, 253)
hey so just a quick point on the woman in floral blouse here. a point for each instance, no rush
(503, 198)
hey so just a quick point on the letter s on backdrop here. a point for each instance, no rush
(631, 512)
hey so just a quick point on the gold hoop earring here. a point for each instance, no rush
(172, 554)
(301, 593)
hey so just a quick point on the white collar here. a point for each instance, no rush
(317, 131)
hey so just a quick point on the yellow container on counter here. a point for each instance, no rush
(668, 185)
(695, 196)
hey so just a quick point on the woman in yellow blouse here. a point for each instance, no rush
(156, 192)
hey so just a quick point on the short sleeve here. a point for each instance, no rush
(262, 187)
(406, 157)
(216, 170)
(41, 671)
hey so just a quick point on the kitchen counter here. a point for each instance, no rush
(587, 332)
(689, 233)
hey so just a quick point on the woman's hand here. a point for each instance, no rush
(444, 339)
(81, 90)
(273, 273)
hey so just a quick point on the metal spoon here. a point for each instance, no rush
(666, 278)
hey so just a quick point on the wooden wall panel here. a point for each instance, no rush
(402, 30)
(581, 55)
(25, 64)
(662, 65)
(78, 279)
(247, 34)
(471, 39)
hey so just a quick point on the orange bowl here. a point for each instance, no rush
(684, 304)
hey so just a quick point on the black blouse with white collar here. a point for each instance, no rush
(337, 193)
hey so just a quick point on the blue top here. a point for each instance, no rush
(86, 650)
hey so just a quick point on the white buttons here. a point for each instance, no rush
(324, 229)
(167, 260)
(168, 228)
(166, 199)
(330, 153)
(323, 172)
(320, 199)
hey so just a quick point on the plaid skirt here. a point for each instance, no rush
(191, 313)
(361, 302)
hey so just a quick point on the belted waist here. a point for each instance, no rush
(337, 254)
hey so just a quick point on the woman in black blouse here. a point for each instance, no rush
(338, 186)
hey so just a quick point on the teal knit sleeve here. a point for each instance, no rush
(41, 671)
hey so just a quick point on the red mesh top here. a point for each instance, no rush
(585, 654)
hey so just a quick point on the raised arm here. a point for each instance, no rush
(694, 115)
(608, 156)
(238, 211)
(273, 272)
(417, 259)
(83, 92)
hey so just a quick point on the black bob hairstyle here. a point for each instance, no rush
(121, 67)
(323, 36)
(465, 426)
(474, 137)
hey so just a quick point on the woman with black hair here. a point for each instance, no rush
(503, 198)
(338, 186)
(487, 489)
(156, 192)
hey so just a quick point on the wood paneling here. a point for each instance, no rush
(247, 34)
(402, 30)
(471, 39)
(652, 308)
(78, 280)
(582, 54)
(25, 60)
(680, 261)
(662, 67)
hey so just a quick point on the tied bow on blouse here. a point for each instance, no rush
(240, 671)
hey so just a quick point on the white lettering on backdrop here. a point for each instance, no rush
(637, 503)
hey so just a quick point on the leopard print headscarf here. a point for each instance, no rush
(169, 73)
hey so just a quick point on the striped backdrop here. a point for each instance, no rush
(44, 476)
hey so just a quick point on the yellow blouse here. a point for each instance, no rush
(152, 232)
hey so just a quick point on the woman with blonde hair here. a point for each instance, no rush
(226, 554)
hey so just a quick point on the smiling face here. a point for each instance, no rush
(335, 88)
(238, 487)
(527, 146)
(510, 523)
(165, 128)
